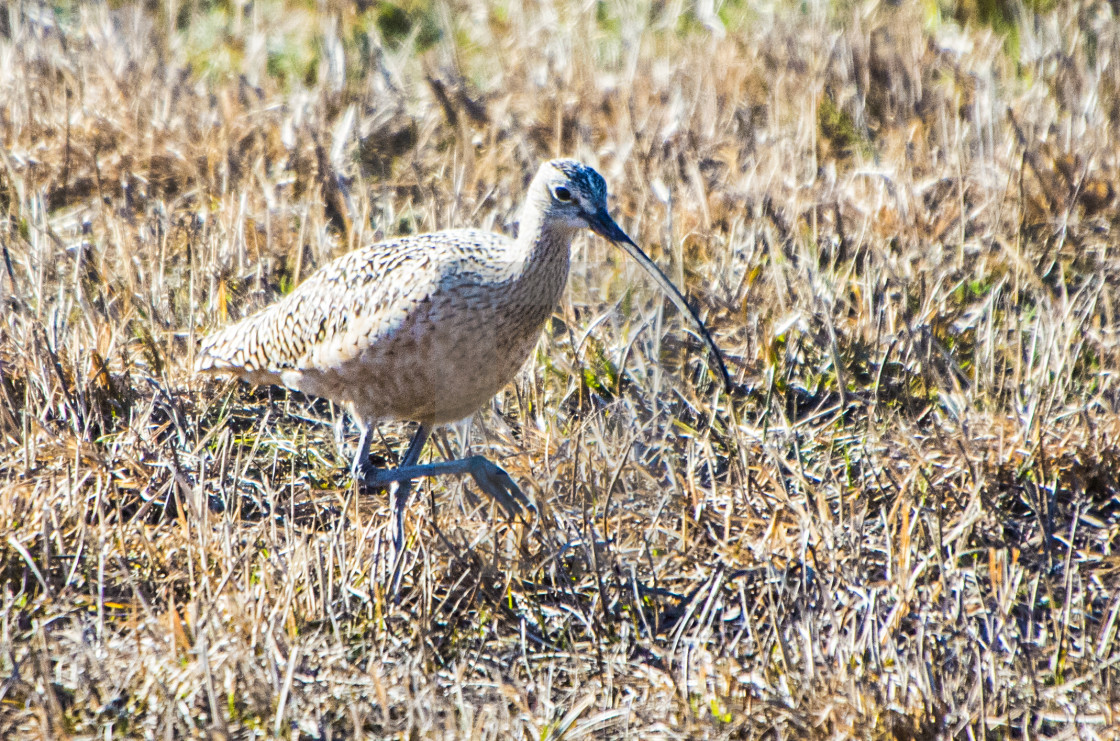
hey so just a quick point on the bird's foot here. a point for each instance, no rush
(498, 484)
(490, 478)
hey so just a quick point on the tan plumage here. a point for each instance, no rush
(379, 328)
(429, 327)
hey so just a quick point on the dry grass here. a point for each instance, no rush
(900, 224)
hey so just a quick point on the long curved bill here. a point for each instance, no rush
(603, 225)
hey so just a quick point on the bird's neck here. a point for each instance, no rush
(543, 245)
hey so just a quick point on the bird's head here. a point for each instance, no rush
(573, 194)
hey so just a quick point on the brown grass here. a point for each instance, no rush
(901, 225)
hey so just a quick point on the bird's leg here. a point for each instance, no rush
(489, 477)
(415, 446)
(361, 466)
(404, 485)
(364, 470)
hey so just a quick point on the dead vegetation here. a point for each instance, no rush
(899, 220)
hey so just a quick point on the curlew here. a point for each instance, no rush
(427, 328)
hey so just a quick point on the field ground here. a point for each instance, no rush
(899, 219)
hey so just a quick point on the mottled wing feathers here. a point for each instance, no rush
(346, 306)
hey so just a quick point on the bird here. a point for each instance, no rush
(427, 328)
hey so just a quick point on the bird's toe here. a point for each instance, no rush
(499, 485)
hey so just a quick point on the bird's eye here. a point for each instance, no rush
(562, 194)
